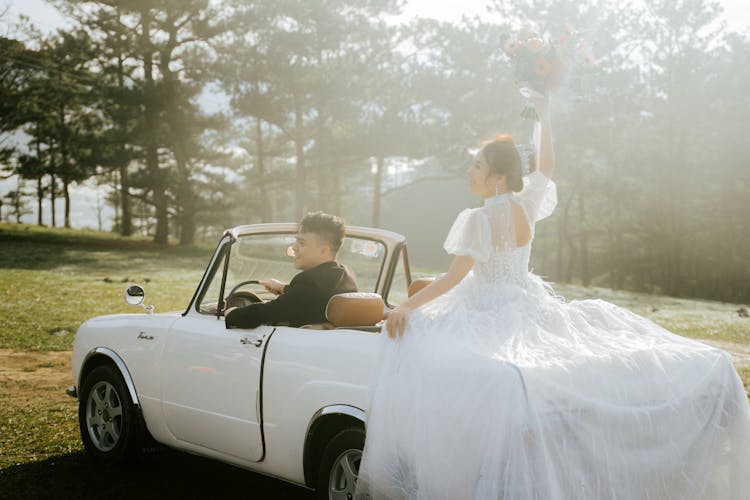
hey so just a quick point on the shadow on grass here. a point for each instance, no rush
(162, 474)
(39, 250)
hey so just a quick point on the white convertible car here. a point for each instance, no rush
(282, 401)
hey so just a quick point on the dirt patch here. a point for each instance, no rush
(20, 371)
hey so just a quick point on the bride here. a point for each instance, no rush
(491, 387)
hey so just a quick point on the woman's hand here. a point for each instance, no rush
(541, 104)
(396, 322)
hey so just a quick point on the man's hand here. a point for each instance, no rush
(273, 286)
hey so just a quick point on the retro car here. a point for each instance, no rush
(282, 401)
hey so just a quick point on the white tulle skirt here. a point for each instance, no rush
(507, 392)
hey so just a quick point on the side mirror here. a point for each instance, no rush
(134, 295)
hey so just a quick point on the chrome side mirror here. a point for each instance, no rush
(134, 295)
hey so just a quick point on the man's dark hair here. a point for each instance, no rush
(329, 227)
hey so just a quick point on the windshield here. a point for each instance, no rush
(267, 256)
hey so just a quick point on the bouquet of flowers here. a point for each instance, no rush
(540, 65)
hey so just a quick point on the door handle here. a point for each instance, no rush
(255, 342)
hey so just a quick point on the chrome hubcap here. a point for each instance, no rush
(104, 416)
(343, 478)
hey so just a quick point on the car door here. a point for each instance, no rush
(211, 385)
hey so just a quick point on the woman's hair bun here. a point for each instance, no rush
(503, 158)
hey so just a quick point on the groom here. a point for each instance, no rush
(303, 301)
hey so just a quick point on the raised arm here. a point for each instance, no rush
(546, 154)
(398, 318)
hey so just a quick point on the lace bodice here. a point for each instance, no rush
(488, 233)
(509, 266)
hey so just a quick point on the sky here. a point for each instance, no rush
(84, 203)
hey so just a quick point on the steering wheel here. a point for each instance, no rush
(242, 298)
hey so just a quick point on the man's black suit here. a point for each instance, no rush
(303, 302)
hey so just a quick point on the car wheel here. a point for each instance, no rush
(339, 465)
(109, 421)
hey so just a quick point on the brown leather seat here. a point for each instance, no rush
(355, 309)
(419, 284)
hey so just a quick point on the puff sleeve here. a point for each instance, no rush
(470, 235)
(538, 197)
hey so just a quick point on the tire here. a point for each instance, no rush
(339, 465)
(111, 425)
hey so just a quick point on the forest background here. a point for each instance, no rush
(333, 105)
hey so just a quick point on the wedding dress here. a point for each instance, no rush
(501, 390)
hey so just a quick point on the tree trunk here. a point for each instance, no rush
(377, 190)
(53, 197)
(66, 192)
(260, 164)
(157, 177)
(324, 186)
(585, 276)
(336, 188)
(39, 199)
(572, 256)
(126, 225)
(99, 209)
(17, 204)
(185, 197)
(299, 144)
(65, 169)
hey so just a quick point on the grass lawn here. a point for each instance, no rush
(52, 280)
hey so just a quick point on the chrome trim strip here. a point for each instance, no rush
(120, 366)
(352, 411)
(388, 237)
(260, 396)
(341, 409)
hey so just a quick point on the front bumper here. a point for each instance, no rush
(72, 391)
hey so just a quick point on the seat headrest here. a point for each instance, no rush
(355, 309)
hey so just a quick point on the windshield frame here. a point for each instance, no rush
(228, 239)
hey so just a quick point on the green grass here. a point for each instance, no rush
(36, 430)
(53, 280)
(701, 319)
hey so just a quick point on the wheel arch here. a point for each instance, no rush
(105, 356)
(325, 424)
